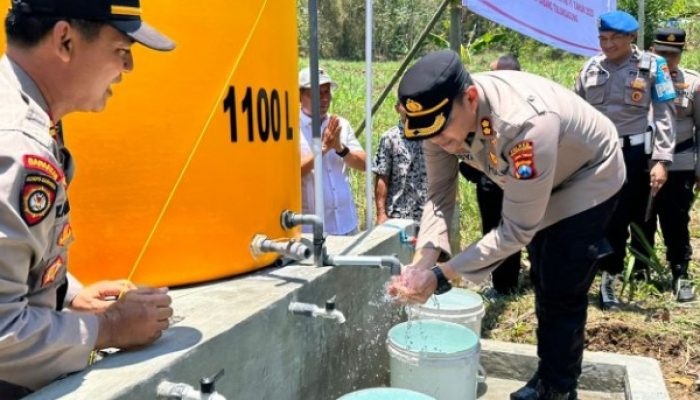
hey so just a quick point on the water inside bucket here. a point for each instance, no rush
(435, 337)
(460, 306)
(386, 394)
(437, 358)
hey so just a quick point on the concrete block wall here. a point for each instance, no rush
(243, 325)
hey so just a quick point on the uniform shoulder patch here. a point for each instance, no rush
(523, 156)
(41, 164)
(37, 198)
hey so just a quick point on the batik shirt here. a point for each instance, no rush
(402, 162)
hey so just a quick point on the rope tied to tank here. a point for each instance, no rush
(195, 147)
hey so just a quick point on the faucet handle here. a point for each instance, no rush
(330, 304)
(206, 384)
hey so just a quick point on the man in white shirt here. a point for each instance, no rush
(340, 150)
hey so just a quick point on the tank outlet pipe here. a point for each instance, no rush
(291, 248)
(392, 262)
(182, 391)
(290, 219)
(312, 310)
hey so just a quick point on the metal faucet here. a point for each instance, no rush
(182, 391)
(312, 310)
(366, 261)
(289, 248)
(290, 219)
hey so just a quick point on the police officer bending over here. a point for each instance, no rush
(628, 85)
(62, 56)
(560, 166)
(675, 199)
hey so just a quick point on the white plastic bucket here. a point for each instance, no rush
(437, 358)
(460, 306)
(385, 394)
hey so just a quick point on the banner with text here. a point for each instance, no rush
(570, 25)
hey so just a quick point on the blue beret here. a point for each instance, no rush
(618, 21)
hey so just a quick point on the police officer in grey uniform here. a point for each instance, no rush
(630, 86)
(675, 199)
(559, 163)
(62, 56)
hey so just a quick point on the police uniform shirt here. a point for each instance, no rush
(687, 155)
(38, 342)
(626, 92)
(553, 154)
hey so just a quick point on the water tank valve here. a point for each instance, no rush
(206, 385)
(330, 304)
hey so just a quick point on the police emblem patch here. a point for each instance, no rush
(413, 106)
(523, 156)
(37, 198)
(51, 272)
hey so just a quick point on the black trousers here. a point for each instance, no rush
(631, 210)
(9, 391)
(672, 206)
(489, 196)
(564, 260)
(490, 199)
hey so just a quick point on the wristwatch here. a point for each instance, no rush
(344, 152)
(443, 285)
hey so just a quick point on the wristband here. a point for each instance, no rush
(344, 152)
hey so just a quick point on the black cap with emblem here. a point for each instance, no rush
(427, 92)
(124, 15)
(670, 40)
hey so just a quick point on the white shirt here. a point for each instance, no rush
(339, 206)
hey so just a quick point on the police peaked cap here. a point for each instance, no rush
(427, 92)
(123, 15)
(671, 40)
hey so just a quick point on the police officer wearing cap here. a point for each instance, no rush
(62, 56)
(674, 200)
(633, 88)
(559, 163)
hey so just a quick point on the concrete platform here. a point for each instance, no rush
(243, 325)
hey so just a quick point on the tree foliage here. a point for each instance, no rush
(398, 23)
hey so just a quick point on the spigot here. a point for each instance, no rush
(312, 310)
(392, 262)
(182, 391)
(330, 304)
(290, 248)
(206, 384)
(289, 219)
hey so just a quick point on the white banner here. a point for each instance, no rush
(570, 25)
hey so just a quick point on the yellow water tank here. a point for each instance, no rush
(197, 151)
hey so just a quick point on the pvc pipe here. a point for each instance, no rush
(369, 206)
